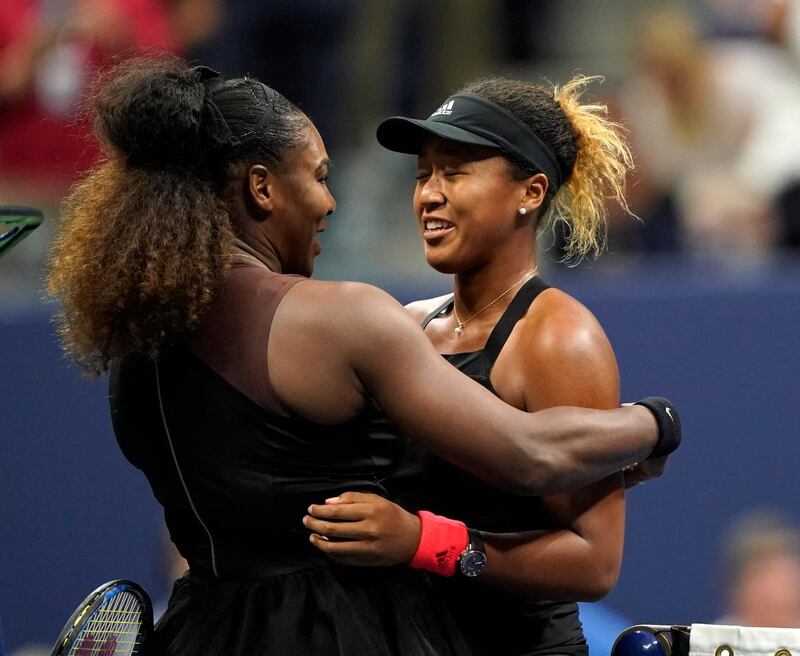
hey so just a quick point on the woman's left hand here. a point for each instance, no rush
(357, 528)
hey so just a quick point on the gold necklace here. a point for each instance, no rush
(460, 327)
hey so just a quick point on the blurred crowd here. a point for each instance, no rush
(709, 91)
(713, 105)
(760, 568)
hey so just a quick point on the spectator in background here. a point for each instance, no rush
(784, 25)
(49, 50)
(296, 46)
(194, 23)
(784, 28)
(347, 63)
(767, 34)
(714, 127)
(762, 572)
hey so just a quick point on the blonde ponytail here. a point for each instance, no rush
(602, 162)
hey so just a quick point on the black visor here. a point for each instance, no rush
(474, 121)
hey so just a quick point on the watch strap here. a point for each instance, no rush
(475, 540)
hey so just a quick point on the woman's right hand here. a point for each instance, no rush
(358, 528)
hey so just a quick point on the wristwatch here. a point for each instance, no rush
(473, 559)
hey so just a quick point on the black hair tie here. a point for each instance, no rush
(217, 131)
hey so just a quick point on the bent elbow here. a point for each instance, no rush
(524, 478)
(535, 473)
(598, 591)
(601, 583)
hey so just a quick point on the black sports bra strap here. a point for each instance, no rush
(437, 312)
(514, 312)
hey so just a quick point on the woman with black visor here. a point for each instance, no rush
(498, 162)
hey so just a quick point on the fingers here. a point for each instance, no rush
(348, 512)
(346, 527)
(354, 497)
(656, 466)
(352, 552)
(644, 471)
(330, 547)
(652, 468)
(349, 530)
(632, 481)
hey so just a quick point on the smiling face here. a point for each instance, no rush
(467, 201)
(300, 201)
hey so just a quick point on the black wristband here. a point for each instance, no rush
(669, 425)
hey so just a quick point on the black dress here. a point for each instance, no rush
(235, 481)
(495, 623)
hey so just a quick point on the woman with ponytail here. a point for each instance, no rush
(244, 391)
(499, 162)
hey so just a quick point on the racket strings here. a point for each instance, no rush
(113, 629)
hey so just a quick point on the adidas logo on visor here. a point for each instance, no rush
(445, 110)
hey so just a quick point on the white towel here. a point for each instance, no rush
(717, 640)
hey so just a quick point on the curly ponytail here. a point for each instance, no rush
(143, 238)
(602, 162)
(588, 146)
(136, 261)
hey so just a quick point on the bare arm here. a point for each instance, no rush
(360, 343)
(561, 356)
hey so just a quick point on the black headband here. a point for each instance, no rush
(473, 120)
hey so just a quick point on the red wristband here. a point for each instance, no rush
(441, 542)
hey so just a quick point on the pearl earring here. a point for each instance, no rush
(522, 210)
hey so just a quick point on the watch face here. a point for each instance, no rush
(472, 563)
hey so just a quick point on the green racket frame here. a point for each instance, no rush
(16, 223)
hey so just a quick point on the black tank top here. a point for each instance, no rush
(500, 624)
(235, 477)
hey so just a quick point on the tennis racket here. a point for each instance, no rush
(16, 223)
(115, 620)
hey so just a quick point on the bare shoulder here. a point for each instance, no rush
(558, 354)
(344, 296)
(556, 318)
(559, 325)
(421, 309)
(340, 308)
